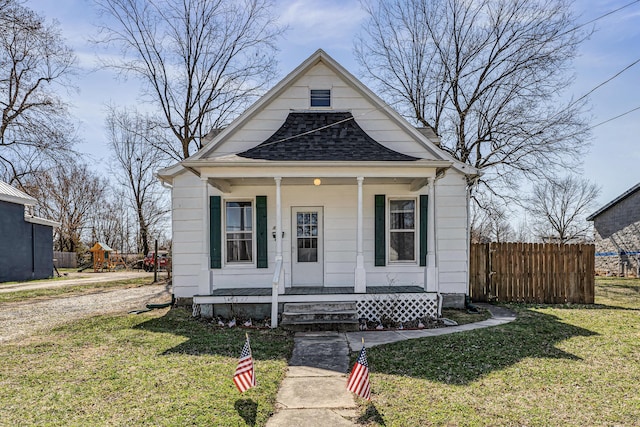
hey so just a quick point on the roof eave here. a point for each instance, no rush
(615, 201)
(236, 162)
(42, 221)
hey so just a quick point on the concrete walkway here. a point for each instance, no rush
(499, 315)
(314, 391)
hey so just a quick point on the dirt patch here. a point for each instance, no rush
(21, 319)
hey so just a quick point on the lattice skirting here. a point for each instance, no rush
(397, 307)
(196, 310)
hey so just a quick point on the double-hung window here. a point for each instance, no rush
(239, 231)
(402, 230)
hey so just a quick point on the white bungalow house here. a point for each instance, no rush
(320, 191)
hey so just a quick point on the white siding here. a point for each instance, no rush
(343, 97)
(187, 205)
(452, 243)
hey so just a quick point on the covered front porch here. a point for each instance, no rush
(398, 303)
(349, 231)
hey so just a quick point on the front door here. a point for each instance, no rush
(307, 247)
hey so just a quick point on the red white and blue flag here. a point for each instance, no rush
(359, 379)
(245, 377)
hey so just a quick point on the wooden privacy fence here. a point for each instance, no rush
(65, 259)
(532, 272)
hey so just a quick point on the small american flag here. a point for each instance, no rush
(245, 378)
(359, 379)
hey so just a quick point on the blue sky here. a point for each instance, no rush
(614, 159)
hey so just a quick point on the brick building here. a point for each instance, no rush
(617, 234)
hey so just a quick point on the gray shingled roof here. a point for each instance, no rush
(322, 136)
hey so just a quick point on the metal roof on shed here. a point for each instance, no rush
(11, 194)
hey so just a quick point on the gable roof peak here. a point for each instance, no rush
(379, 104)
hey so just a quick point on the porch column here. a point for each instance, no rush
(431, 271)
(204, 287)
(278, 181)
(360, 273)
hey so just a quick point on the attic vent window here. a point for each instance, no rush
(321, 97)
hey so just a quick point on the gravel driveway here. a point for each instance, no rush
(20, 319)
(73, 279)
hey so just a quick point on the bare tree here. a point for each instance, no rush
(69, 194)
(34, 61)
(201, 61)
(491, 224)
(110, 224)
(559, 208)
(486, 75)
(135, 159)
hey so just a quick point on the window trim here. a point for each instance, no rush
(252, 262)
(415, 231)
(321, 107)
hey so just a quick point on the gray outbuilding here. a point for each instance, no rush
(26, 241)
(617, 234)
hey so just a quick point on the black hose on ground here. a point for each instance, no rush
(471, 308)
(164, 305)
(155, 306)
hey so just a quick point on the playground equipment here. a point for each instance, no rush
(105, 258)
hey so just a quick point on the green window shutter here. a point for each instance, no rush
(424, 203)
(261, 231)
(215, 231)
(380, 244)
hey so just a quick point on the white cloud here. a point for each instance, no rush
(322, 23)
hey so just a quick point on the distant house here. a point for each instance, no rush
(26, 241)
(617, 234)
(325, 192)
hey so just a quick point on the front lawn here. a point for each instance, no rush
(553, 366)
(158, 368)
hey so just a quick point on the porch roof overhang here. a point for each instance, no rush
(225, 173)
(233, 167)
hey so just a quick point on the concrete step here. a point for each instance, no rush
(306, 307)
(320, 316)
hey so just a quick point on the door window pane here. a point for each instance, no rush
(307, 236)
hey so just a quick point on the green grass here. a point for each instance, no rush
(463, 317)
(66, 291)
(555, 365)
(54, 278)
(161, 368)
